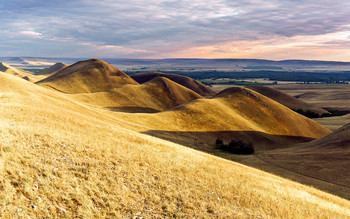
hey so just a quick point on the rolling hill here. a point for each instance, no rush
(335, 122)
(60, 158)
(339, 139)
(53, 69)
(6, 68)
(190, 83)
(325, 96)
(87, 77)
(326, 159)
(155, 95)
(285, 99)
(235, 113)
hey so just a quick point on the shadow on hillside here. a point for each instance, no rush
(262, 159)
(133, 109)
(205, 141)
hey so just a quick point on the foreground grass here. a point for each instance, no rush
(58, 160)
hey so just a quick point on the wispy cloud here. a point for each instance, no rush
(31, 33)
(174, 28)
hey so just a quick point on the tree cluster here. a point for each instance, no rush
(235, 147)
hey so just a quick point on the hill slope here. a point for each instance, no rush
(326, 158)
(285, 99)
(155, 95)
(339, 139)
(6, 68)
(61, 159)
(334, 122)
(87, 77)
(53, 69)
(190, 83)
(235, 113)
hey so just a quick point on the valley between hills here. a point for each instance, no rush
(87, 140)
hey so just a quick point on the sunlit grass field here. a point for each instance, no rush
(60, 158)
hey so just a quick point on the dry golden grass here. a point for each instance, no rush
(326, 159)
(188, 82)
(59, 158)
(330, 96)
(334, 122)
(235, 109)
(87, 77)
(156, 95)
(6, 68)
(285, 99)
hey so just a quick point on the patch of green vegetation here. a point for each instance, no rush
(307, 113)
(264, 67)
(273, 75)
(312, 115)
(228, 81)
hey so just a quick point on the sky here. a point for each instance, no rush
(267, 29)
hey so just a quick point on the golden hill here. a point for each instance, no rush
(61, 159)
(235, 113)
(87, 77)
(285, 99)
(155, 95)
(190, 83)
(53, 69)
(6, 68)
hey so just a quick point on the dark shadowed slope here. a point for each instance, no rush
(339, 139)
(326, 159)
(87, 77)
(53, 69)
(190, 83)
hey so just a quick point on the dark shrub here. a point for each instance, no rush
(236, 147)
(307, 113)
(219, 143)
(239, 147)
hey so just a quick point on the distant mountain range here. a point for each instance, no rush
(189, 64)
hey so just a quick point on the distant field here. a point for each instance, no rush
(325, 96)
(328, 96)
(334, 96)
(229, 81)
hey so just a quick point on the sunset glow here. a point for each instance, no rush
(167, 29)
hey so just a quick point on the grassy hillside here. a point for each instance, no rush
(190, 83)
(155, 95)
(59, 158)
(327, 96)
(326, 159)
(6, 68)
(334, 122)
(86, 77)
(285, 99)
(236, 113)
(53, 69)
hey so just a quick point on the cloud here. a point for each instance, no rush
(31, 33)
(164, 28)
